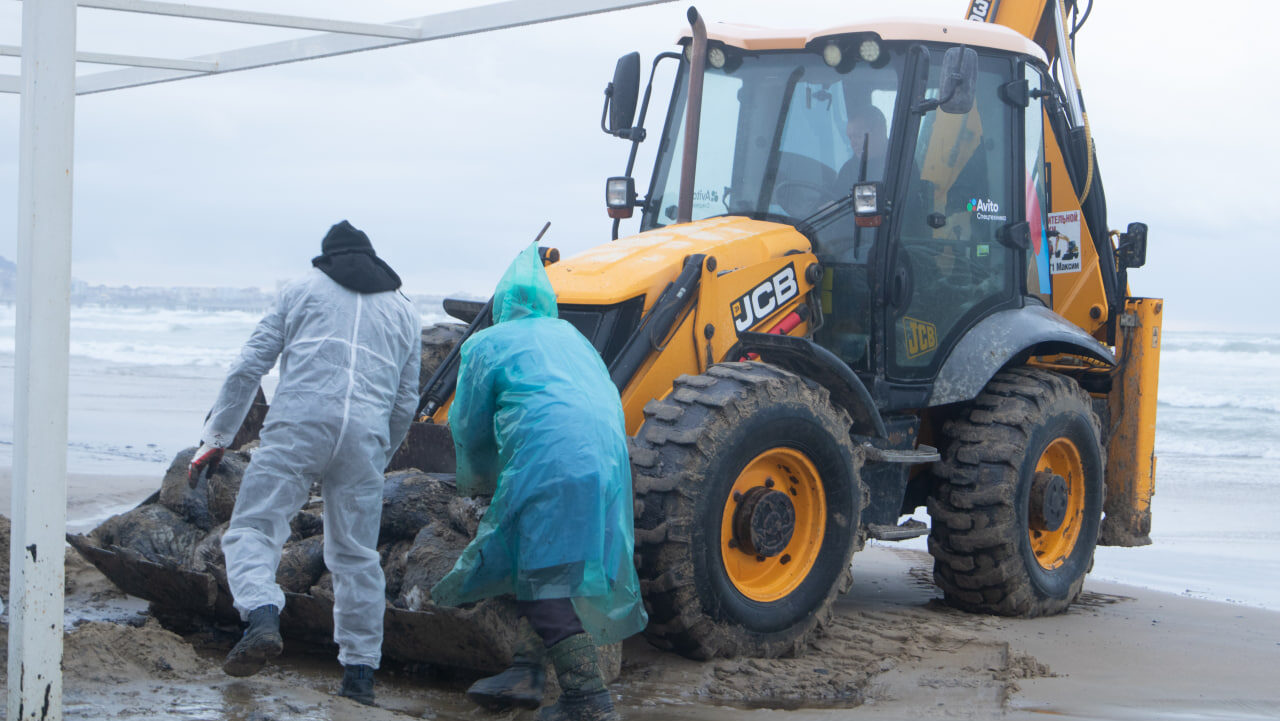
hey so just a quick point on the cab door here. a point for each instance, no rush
(947, 268)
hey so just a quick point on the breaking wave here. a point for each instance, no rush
(1234, 343)
(139, 337)
(1173, 398)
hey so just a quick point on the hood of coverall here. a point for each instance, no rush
(525, 290)
(347, 256)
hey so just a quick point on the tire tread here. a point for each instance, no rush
(975, 531)
(674, 444)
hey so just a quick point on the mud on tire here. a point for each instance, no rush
(707, 435)
(983, 536)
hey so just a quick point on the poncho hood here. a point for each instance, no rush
(525, 290)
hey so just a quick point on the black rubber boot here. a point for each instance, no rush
(583, 695)
(520, 686)
(357, 684)
(260, 642)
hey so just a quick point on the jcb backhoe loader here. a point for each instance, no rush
(873, 272)
(846, 259)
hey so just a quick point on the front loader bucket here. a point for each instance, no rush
(162, 585)
(478, 639)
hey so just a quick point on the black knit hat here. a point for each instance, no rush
(345, 236)
(347, 257)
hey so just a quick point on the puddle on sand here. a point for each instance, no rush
(1094, 599)
(302, 688)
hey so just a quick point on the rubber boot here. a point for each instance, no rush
(260, 642)
(520, 686)
(583, 695)
(357, 683)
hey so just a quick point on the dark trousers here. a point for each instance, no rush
(553, 619)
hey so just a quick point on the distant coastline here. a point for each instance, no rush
(250, 300)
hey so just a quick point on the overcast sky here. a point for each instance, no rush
(452, 154)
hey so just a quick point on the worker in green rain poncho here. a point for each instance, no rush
(537, 422)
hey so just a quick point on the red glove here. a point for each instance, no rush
(206, 456)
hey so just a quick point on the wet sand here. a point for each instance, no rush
(893, 651)
(92, 497)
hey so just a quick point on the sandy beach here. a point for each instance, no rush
(893, 651)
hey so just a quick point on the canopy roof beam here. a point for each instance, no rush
(339, 37)
(137, 61)
(253, 17)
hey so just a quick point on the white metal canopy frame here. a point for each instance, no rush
(48, 85)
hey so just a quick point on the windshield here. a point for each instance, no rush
(782, 135)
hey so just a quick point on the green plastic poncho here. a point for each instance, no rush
(537, 422)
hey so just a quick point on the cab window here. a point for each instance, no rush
(959, 195)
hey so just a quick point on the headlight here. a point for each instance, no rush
(867, 212)
(832, 54)
(869, 50)
(866, 199)
(620, 196)
(715, 57)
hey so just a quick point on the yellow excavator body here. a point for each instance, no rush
(873, 274)
(809, 361)
(805, 362)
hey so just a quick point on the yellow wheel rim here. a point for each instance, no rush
(788, 471)
(1052, 548)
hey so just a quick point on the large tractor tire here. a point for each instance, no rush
(748, 505)
(1015, 519)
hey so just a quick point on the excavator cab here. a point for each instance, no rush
(786, 136)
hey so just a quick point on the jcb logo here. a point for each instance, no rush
(756, 304)
(982, 10)
(921, 336)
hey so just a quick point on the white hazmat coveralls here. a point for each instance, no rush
(348, 390)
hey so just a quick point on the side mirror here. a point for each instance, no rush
(959, 78)
(1131, 251)
(622, 94)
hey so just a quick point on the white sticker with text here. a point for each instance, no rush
(1064, 232)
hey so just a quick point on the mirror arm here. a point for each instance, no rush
(604, 114)
(925, 106)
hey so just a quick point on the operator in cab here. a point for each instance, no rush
(537, 422)
(869, 140)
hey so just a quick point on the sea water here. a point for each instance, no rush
(1217, 491)
(142, 381)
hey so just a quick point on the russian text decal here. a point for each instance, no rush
(1064, 232)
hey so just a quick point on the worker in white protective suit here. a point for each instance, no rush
(349, 346)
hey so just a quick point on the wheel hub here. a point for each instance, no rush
(764, 522)
(1049, 499)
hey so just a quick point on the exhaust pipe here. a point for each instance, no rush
(692, 115)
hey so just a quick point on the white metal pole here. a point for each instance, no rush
(39, 507)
